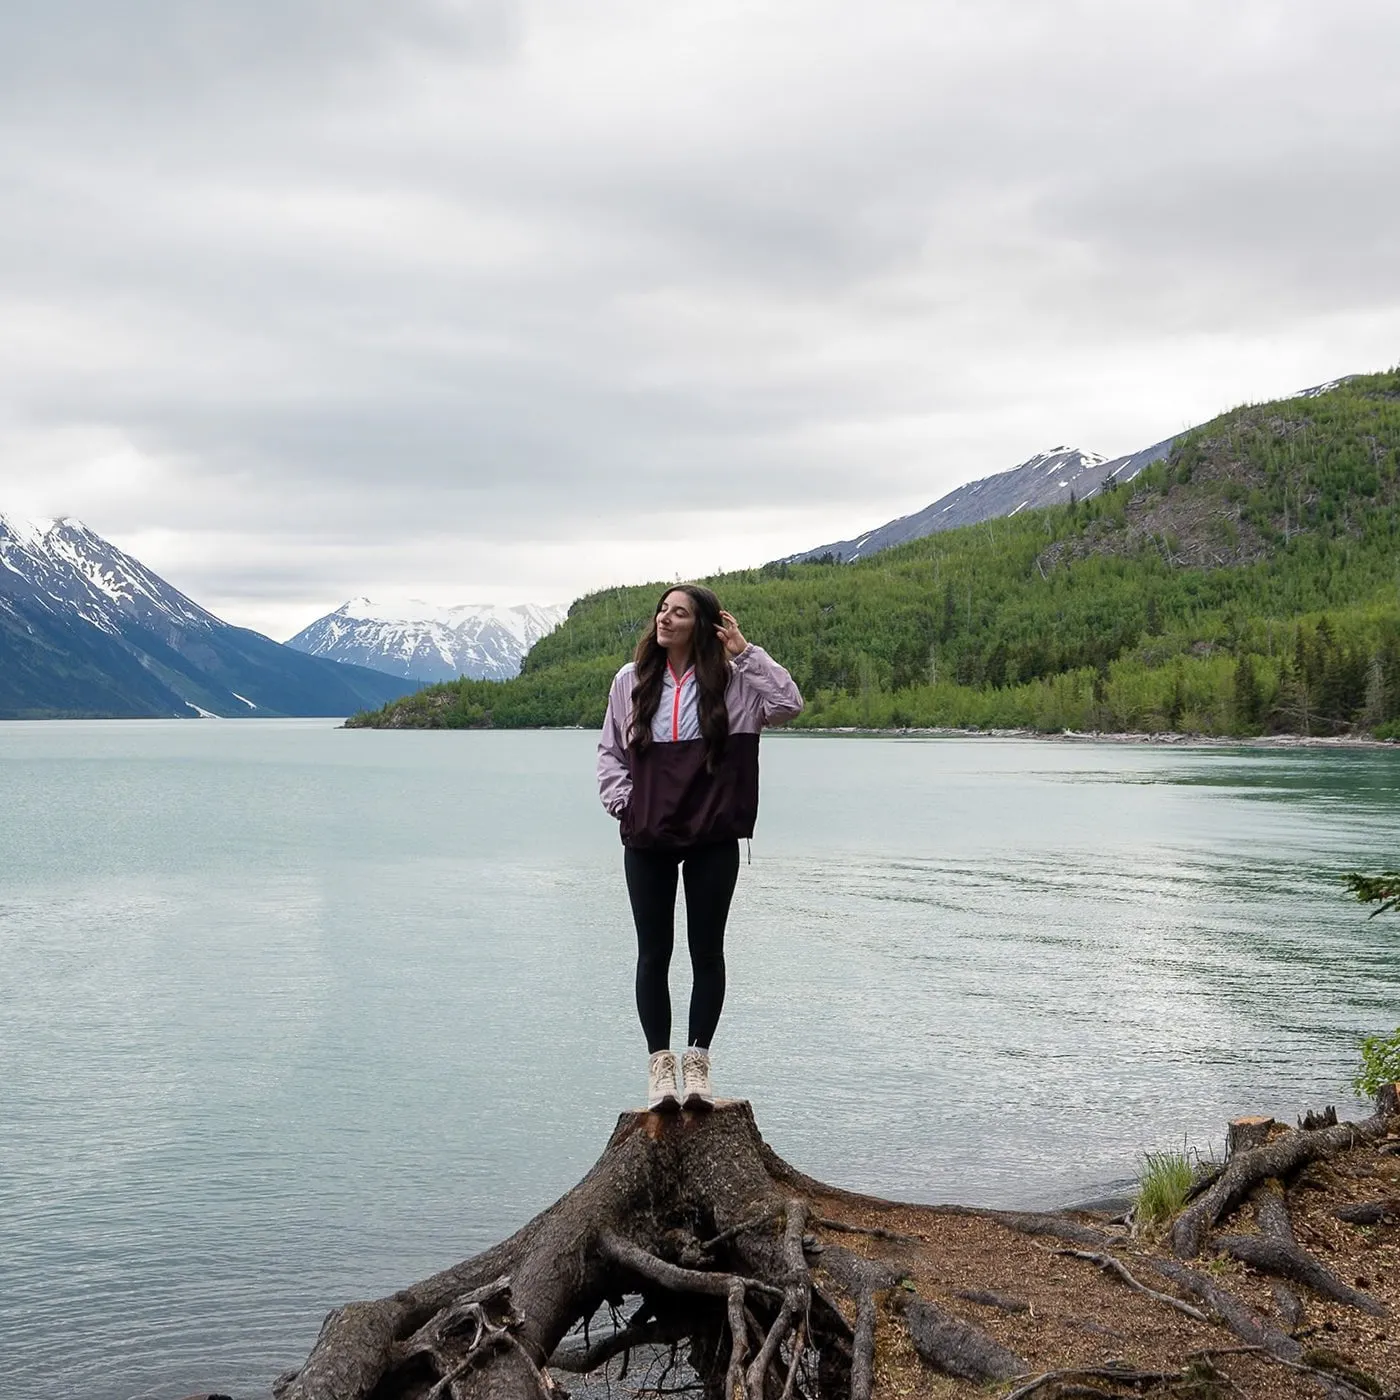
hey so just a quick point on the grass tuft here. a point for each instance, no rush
(1163, 1182)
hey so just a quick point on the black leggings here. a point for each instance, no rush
(710, 873)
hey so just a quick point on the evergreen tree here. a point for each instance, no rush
(1248, 701)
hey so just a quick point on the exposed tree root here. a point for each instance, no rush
(1117, 1376)
(1282, 1261)
(863, 1348)
(1289, 1306)
(1238, 1316)
(1271, 1212)
(991, 1299)
(1370, 1213)
(583, 1359)
(1279, 1158)
(761, 1283)
(1057, 1227)
(958, 1348)
(875, 1232)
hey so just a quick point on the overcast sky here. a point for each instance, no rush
(499, 301)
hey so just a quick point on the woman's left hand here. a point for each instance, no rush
(729, 633)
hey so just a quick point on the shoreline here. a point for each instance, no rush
(1166, 738)
(1163, 738)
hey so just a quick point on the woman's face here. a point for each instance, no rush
(675, 620)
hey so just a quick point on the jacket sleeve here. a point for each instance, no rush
(614, 769)
(776, 692)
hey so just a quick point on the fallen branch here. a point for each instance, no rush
(1113, 1266)
(1121, 1375)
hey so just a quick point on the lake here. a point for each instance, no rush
(291, 1015)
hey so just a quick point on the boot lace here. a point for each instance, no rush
(663, 1073)
(695, 1068)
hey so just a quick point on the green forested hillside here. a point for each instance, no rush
(1250, 583)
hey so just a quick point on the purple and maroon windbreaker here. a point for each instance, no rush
(666, 797)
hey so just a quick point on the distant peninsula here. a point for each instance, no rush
(1245, 584)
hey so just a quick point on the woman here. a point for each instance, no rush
(678, 767)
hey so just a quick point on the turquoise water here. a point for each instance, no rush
(292, 1014)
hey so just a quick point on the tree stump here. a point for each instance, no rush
(690, 1214)
(1244, 1133)
(1315, 1118)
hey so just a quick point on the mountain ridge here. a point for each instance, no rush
(87, 630)
(417, 640)
(1056, 477)
(1049, 478)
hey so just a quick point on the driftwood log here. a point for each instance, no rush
(690, 1240)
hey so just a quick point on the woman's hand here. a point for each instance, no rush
(729, 633)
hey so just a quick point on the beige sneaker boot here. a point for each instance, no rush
(695, 1076)
(663, 1090)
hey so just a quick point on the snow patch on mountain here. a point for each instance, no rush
(1317, 390)
(425, 642)
(73, 569)
(1048, 478)
(26, 532)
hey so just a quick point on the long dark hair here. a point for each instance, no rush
(711, 674)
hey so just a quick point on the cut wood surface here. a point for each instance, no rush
(692, 1259)
(1244, 1133)
(1249, 1169)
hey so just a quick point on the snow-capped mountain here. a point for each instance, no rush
(1318, 390)
(85, 629)
(1048, 478)
(65, 563)
(426, 643)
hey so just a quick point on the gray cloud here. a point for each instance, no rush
(506, 299)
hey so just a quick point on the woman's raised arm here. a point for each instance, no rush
(777, 693)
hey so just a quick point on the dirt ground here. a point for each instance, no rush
(1065, 1314)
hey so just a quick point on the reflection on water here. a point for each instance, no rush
(292, 1015)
